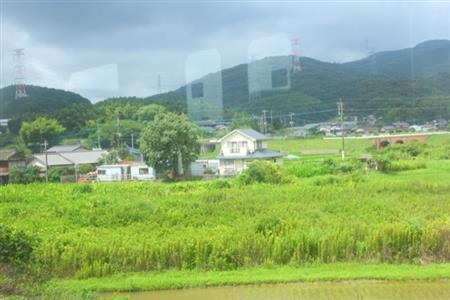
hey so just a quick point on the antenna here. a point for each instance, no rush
(158, 83)
(19, 72)
(295, 46)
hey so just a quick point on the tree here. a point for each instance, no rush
(243, 120)
(170, 142)
(147, 113)
(44, 128)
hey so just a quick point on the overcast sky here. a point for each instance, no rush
(118, 48)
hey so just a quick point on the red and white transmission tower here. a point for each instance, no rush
(19, 72)
(295, 44)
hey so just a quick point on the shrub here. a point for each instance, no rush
(261, 171)
(25, 175)
(220, 184)
(15, 246)
(404, 165)
(54, 174)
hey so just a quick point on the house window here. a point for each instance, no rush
(234, 147)
(243, 144)
(143, 171)
(101, 172)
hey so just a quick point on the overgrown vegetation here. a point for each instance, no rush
(209, 226)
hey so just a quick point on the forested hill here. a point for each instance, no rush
(425, 59)
(409, 84)
(40, 100)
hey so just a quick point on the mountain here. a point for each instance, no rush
(425, 59)
(40, 101)
(410, 84)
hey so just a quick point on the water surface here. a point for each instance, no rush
(432, 290)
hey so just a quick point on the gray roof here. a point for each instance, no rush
(84, 157)
(6, 154)
(258, 154)
(70, 158)
(251, 133)
(65, 148)
(53, 159)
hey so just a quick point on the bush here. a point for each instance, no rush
(25, 175)
(261, 171)
(86, 168)
(404, 165)
(54, 174)
(15, 247)
(220, 184)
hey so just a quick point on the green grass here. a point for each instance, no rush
(133, 227)
(150, 235)
(354, 147)
(184, 279)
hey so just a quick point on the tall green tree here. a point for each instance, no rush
(47, 129)
(170, 142)
(147, 113)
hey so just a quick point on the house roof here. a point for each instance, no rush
(70, 158)
(65, 148)
(53, 159)
(6, 154)
(248, 132)
(258, 154)
(84, 157)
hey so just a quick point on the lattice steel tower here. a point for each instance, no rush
(19, 72)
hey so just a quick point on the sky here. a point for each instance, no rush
(104, 49)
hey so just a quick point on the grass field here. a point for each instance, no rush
(360, 223)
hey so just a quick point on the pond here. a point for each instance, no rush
(307, 290)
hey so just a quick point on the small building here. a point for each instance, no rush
(10, 158)
(67, 159)
(116, 172)
(142, 172)
(240, 147)
(125, 172)
(204, 167)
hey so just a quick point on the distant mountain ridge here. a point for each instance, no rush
(425, 59)
(414, 82)
(407, 84)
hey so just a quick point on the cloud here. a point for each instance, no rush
(147, 40)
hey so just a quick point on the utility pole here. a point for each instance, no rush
(46, 161)
(264, 121)
(132, 140)
(291, 122)
(340, 105)
(98, 138)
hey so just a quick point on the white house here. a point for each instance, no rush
(241, 146)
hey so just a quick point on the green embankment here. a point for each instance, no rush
(148, 281)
